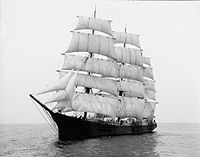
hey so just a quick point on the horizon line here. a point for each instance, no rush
(48, 124)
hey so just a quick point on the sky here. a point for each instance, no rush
(35, 32)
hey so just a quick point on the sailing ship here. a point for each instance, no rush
(105, 86)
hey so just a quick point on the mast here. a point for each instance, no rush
(94, 17)
(121, 92)
(125, 32)
(89, 90)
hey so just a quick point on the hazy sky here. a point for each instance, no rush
(34, 33)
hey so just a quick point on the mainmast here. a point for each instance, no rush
(89, 90)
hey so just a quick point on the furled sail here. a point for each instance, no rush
(129, 55)
(146, 60)
(85, 42)
(147, 72)
(149, 84)
(149, 109)
(150, 94)
(128, 38)
(126, 107)
(107, 68)
(94, 24)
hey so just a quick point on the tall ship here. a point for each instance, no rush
(105, 85)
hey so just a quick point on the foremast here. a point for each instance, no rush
(89, 90)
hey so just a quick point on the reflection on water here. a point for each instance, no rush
(39, 140)
(134, 145)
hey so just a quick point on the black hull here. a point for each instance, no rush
(76, 128)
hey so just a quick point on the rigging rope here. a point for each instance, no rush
(83, 63)
(54, 129)
(77, 95)
(51, 120)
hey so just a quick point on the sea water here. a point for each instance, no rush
(181, 140)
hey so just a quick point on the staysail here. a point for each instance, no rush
(67, 93)
(59, 84)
